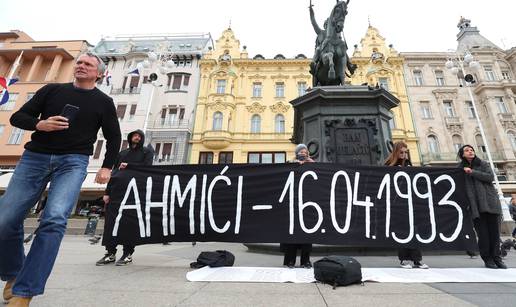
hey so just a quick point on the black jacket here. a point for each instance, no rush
(139, 155)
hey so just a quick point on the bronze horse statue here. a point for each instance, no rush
(331, 59)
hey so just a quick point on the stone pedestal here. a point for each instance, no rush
(345, 124)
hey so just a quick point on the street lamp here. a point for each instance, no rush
(153, 77)
(456, 65)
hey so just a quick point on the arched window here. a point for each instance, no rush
(256, 122)
(279, 124)
(512, 139)
(217, 121)
(457, 142)
(433, 144)
(480, 143)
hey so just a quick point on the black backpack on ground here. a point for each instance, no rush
(213, 259)
(338, 271)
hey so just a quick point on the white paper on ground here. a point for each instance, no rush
(397, 275)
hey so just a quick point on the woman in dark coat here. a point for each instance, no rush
(399, 157)
(290, 250)
(485, 206)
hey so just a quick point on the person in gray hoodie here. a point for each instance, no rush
(484, 204)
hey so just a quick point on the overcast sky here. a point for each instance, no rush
(267, 27)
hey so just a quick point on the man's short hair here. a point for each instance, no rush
(101, 67)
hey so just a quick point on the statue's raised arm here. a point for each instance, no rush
(317, 29)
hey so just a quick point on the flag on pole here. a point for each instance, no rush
(4, 84)
(134, 72)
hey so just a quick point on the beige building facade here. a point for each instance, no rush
(40, 63)
(443, 109)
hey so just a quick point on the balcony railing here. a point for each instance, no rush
(130, 90)
(169, 124)
(450, 157)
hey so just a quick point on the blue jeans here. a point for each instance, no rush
(32, 174)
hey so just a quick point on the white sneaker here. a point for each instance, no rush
(420, 265)
(405, 264)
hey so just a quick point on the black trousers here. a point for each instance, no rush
(128, 249)
(487, 227)
(411, 254)
(291, 253)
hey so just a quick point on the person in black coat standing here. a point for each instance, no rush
(135, 154)
(399, 157)
(290, 250)
(485, 207)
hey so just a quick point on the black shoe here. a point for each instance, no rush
(499, 263)
(307, 265)
(291, 265)
(107, 259)
(125, 260)
(490, 264)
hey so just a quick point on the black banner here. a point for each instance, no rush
(291, 203)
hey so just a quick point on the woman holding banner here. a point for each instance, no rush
(399, 157)
(290, 250)
(484, 204)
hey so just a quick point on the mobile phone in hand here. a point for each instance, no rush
(70, 112)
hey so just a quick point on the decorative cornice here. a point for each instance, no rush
(279, 107)
(442, 94)
(257, 76)
(280, 76)
(255, 108)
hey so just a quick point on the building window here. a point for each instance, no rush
(16, 136)
(120, 111)
(221, 86)
(418, 77)
(470, 109)
(457, 142)
(98, 149)
(480, 143)
(490, 75)
(426, 111)
(132, 111)
(225, 157)
(280, 89)
(133, 86)
(500, 104)
(301, 88)
(433, 144)
(506, 75)
(279, 124)
(448, 108)
(217, 121)
(166, 152)
(439, 78)
(172, 116)
(2, 128)
(512, 139)
(9, 105)
(256, 123)
(266, 157)
(186, 80)
(176, 84)
(206, 157)
(257, 89)
(384, 82)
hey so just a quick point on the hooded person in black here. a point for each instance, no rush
(135, 154)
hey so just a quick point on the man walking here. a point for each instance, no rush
(135, 154)
(66, 119)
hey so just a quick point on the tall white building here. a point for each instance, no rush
(163, 108)
(443, 110)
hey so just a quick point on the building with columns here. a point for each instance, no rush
(443, 110)
(164, 109)
(35, 64)
(243, 113)
(381, 64)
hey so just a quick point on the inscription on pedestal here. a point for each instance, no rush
(352, 146)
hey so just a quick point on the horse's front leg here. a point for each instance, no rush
(341, 69)
(331, 71)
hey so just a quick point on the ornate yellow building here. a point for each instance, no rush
(382, 64)
(243, 112)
